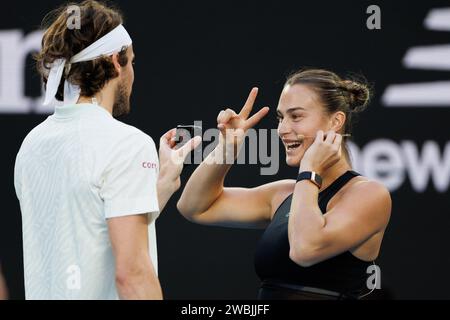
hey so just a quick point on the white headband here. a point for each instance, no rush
(107, 45)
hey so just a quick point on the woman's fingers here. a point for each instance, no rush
(319, 137)
(222, 128)
(334, 139)
(220, 115)
(247, 108)
(225, 116)
(338, 141)
(330, 135)
(253, 120)
(230, 119)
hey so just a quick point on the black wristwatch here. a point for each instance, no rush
(312, 176)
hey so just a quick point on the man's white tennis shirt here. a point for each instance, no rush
(74, 171)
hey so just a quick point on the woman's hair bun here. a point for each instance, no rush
(357, 94)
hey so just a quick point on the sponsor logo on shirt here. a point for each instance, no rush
(149, 165)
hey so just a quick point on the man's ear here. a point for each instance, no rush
(338, 121)
(115, 61)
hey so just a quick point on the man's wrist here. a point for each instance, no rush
(166, 183)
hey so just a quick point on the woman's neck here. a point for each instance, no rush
(334, 172)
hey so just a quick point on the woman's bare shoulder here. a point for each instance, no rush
(370, 191)
(279, 191)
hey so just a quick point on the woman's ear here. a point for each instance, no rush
(338, 121)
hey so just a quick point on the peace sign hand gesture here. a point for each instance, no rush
(233, 126)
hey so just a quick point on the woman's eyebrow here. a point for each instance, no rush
(290, 110)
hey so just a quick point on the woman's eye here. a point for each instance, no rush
(296, 117)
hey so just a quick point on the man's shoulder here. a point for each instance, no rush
(36, 133)
(131, 134)
(120, 137)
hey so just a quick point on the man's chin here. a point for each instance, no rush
(121, 109)
(121, 113)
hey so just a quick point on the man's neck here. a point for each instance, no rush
(104, 99)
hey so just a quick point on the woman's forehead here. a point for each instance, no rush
(298, 96)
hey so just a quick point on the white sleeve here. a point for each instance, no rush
(18, 177)
(129, 181)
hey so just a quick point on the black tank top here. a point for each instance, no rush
(343, 273)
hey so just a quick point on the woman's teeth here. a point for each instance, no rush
(292, 146)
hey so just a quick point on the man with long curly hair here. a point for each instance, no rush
(91, 187)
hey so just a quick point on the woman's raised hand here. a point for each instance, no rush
(233, 126)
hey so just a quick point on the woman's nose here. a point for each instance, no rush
(283, 127)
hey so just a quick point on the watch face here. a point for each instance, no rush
(318, 179)
(312, 176)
